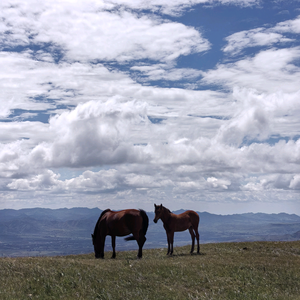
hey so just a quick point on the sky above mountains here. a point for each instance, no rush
(125, 103)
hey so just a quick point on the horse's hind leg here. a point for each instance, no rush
(113, 244)
(141, 242)
(197, 237)
(141, 239)
(170, 236)
(193, 239)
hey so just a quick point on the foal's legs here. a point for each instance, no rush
(113, 244)
(172, 240)
(170, 237)
(193, 238)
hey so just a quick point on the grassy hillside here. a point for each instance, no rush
(256, 270)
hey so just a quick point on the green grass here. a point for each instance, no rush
(264, 270)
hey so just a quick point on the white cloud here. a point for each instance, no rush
(253, 38)
(177, 6)
(269, 71)
(84, 34)
(291, 26)
(261, 36)
(20, 82)
(93, 133)
(29, 84)
(295, 182)
(46, 180)
(166, 72)
(218, 183)
(158, 177)
(259, 116)
(268, 182)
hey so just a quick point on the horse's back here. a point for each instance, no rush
(194, 216)
(123, 222)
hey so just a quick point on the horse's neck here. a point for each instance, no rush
(166, 216)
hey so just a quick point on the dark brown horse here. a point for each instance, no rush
(120, 223)
(172, 222)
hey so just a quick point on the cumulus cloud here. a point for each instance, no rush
(268, 182)
(295, 182)
(216, 183)
(93, 133)
(198, 160)
(45, 181)
(259, 116)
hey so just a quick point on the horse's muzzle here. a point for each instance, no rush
(155, 221)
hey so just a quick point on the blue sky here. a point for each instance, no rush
(191, 103)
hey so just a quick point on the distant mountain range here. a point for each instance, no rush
(41, 231)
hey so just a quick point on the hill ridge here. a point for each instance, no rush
(40, 231)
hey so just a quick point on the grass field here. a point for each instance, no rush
(256, 270)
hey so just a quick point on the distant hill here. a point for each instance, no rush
(41, 231)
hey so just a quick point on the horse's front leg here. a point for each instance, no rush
(113, 244)
(102, 244)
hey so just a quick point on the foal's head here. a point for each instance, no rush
(159, 211)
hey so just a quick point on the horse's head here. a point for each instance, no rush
(97, 247)
(158, 209)
(98, 239)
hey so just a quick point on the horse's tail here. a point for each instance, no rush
(145, 221)
(144, 225)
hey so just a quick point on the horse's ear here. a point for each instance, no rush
(154, 205)
(161, 205)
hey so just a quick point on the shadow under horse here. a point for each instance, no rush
(120, 223)
(172, 222)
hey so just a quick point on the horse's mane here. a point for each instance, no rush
(167, 209)
(96, 227)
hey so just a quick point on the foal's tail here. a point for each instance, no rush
(144, 225)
